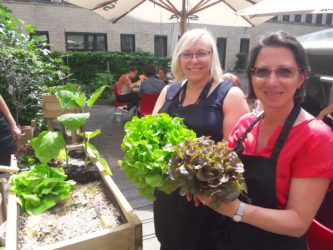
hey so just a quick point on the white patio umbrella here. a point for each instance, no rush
(216, 12)
(286, 7)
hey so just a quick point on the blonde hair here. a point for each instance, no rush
(187, 40)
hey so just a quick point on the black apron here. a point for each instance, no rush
(179, 225)
(7, 143)
(260, 176)
(192, 113)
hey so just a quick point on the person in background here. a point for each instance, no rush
(152, 84)
(162, 73)
(287, 154)
(125, 89)
(326, 114)
(209, 106)
(233, 78)
(327, 111)
(9, 134)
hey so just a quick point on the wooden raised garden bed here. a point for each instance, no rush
(127, 235)
(52, 109)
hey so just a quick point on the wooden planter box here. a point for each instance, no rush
(125, 236)
(51, 109)
(27, 132)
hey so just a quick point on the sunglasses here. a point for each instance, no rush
(282, 72)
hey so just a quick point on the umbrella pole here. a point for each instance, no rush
(183, 17)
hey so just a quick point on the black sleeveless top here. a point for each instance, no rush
(205, 116)
(179, 225)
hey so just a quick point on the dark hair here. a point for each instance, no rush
(279, 39)
(150, 70)
(164, 70)
(132, 68)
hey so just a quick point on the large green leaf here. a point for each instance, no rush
(89, 135)
(71, 99)
(95, 96)
(74, 121)
(47, 145)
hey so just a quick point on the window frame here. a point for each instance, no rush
(86, 36)
(221, 45)
(123, 47)
(165, 48)
(244, 43)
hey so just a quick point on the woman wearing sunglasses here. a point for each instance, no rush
(287, 154)
(209, 106)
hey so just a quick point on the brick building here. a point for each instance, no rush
(69, 27)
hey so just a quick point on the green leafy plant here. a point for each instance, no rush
(51, 145)
(25, 65)
(53, 89)
(41, 188)
(48, 145)
(147, 150)
(71, 99)
(201, 166)
(26, 157)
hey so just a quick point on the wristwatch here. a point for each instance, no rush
(238, 216)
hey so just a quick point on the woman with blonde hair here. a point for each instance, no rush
(209, 106)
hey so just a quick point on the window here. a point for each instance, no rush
(43, 35)
(328, 19)
(160, 45)
(286, 18)
(308, 18)
(221, 44)
(274, 18)
(127, 43)
(86, 41)
(244, 45)
(298, 18)
(319, 19)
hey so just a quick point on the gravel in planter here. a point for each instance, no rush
(78, 215)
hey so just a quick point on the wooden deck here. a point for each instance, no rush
(108, 144)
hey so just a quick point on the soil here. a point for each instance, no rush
(86, 211)
(76, 169)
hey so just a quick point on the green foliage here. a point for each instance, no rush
(103, 79)
(70, 99)
(147, 152)
(241, 62)
(53, 89)
(25, 66)
(26, 157)
(48, 145)
(40, 188)
(85, 65)
(75, 99)
(74, 121)
(201, 166)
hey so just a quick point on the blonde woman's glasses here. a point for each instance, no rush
(201, 55)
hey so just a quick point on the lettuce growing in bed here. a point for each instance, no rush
(147, 146)
(41, 188)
